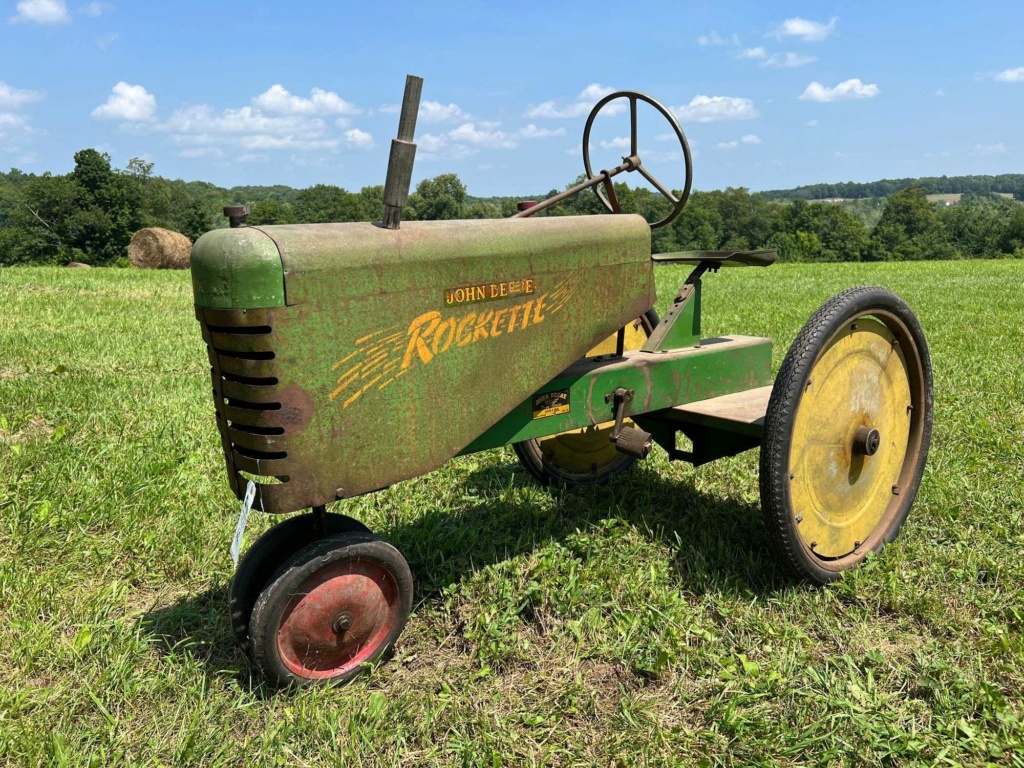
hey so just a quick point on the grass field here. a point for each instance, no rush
(643, 623)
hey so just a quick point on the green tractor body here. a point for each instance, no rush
(347, 357)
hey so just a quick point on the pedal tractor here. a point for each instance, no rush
(538, 332)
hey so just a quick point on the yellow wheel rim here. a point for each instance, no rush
(840, 495)
(586, 450)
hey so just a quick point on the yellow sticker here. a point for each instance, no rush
(551, 404)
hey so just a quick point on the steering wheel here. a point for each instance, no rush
(608, 196)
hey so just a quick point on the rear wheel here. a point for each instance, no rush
(335, 606)
(585, 456)
(846, 433)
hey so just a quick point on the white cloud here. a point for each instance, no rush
(360, 139)
(533, 132)
(12, 125)
(320, 102)
(588, 97)
(430, 142)
(619, 142)
(202, 119)
(776, 60)
(105, 41)
(809, 31)
(708, 109)
(1011, 76)
(486, 136)
(15, 127)
(197, 152)
(990, 149)
(430, 111)
(940, 93)
(812, 123)
(41, 12)
(713, 38)
(131, 103)
(436, 112)
(265, 142)
(97, 9)
(748, 139)
(247, 133)
(471, 137)
(787, 60)
(845, 91)
(13, 98)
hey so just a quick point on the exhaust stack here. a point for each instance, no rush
(403, 154)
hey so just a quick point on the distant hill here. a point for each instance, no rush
(1007, 183)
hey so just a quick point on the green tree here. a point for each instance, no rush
(909, 229)
(482, 210)
(832, 232)
(441, 197)
(270, 212)
(323, 203)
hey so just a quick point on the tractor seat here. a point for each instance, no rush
(716, 259)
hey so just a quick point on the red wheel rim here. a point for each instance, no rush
(337, 619)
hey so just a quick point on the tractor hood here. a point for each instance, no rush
(347, 357)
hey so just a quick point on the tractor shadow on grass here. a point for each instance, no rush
(720, 545)
(196, 629)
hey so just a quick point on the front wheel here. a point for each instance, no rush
(846, 433)
(336, 605)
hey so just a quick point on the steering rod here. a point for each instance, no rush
(630, 163)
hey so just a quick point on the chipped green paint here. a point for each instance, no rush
(237, 269)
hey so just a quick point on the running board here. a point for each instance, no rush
(741, 412)
(717, 427)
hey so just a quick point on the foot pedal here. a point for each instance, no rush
(633, 442)
(630, 441)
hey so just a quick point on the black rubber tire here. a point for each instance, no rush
(268, 553)
(547, 473)
(790, 384)
(273, 601)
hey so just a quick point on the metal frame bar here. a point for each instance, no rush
(674, 377)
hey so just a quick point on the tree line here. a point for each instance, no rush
(1007, 184)
(90, 214)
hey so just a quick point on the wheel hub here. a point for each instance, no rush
(866, 441)
(342, 623)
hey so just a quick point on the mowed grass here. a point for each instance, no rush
(642, 623)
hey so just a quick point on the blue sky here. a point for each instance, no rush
(770, 95)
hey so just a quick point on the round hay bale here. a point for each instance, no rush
(156, 248)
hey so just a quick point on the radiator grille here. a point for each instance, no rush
(243, 371)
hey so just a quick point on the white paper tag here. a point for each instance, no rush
(243, 518)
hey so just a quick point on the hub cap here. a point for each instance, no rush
(337, 619)
(850, 439)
